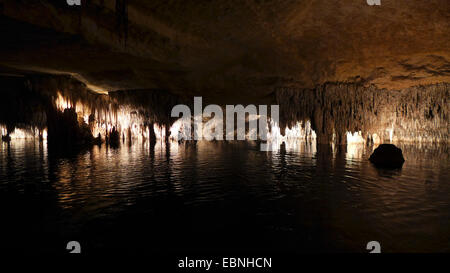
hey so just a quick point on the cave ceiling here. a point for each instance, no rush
(228, 50)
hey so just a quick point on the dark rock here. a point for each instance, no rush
(387, 156)
(98, 140)
(113, 139)
(65, 130)
(6, 138)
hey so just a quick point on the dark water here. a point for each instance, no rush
(222, 196)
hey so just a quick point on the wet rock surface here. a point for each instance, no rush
(387, 156)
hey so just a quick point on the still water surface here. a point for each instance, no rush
(222, 196)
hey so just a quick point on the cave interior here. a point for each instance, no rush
(106, 68)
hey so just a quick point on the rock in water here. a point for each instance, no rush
(6, 138)
(387, 156)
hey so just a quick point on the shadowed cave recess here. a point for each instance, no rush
(339, 71)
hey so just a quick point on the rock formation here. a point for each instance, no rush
(72, 114)
(387, 156)
(413, 114)
(344, 65)
(234, 51)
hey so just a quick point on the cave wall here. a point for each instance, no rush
(73, 115)
(419, 113)
(155, 105)
(20, 106)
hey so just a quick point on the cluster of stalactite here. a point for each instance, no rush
(71, 115)
(21, 108)
(66, 111)
(336, 110)
(152, 108)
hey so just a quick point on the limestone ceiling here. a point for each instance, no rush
(238, 50)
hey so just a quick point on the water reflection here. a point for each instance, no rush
(303, 196)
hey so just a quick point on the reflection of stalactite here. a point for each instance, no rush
(122, 20)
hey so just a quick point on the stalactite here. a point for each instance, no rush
(154, 104)
(413, 114)
(37, 103)
(335, 111)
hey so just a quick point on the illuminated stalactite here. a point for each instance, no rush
(335, 110)
(333, 113)
(66, 109)
(22, 111)
(122, 115)
(19, 133)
